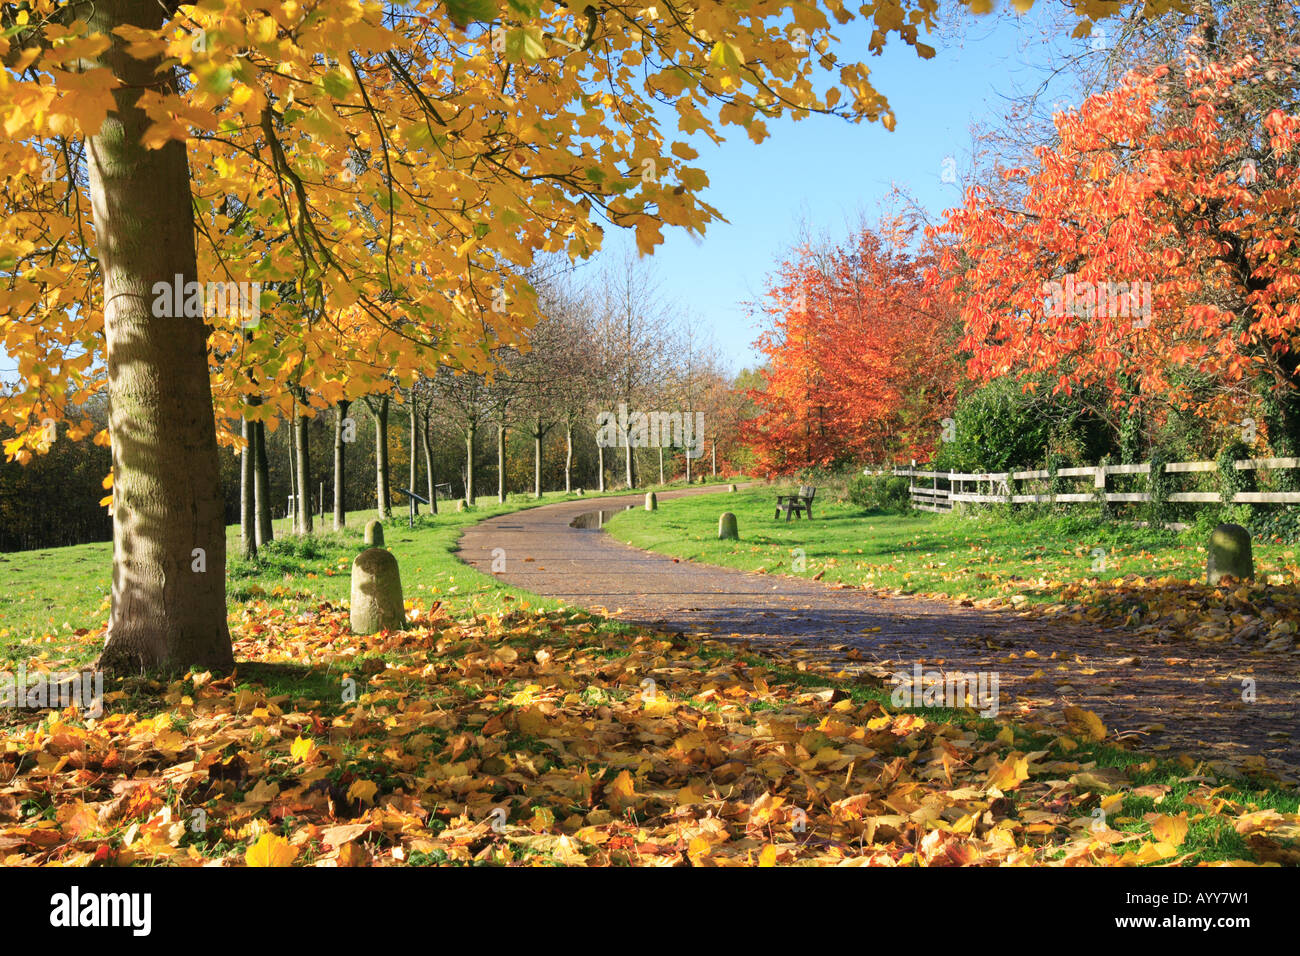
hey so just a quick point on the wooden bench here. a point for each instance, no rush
(796, 505)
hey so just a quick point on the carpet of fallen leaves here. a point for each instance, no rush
(540, 739)
(1259, 613)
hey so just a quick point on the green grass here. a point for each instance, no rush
(50, 595)
(963, 556)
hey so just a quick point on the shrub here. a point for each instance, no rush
(1001, 427)
(1231, 480)
(308, 547)
(880, 491)
(1280, 523)
(1210, 517)
(998, 427)
(1159, 486)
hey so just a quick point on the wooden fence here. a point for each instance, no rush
(1001, 489)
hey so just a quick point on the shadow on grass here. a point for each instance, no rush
(300, 682)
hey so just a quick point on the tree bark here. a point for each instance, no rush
(628, 458)
(471, 440)
(303, 501)
(568, 456)
(538, 434)
(428, 466)
(600, 467)
(294, 489)
(168, 605)
(247, 504)
(661, 464)
(501, 461)
(262, 487)
(415, 449)
(383, 501)
(340, 466)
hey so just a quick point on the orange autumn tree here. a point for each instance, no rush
(859, 356)
(1152, 251)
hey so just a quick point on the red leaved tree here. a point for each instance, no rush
(859, 356)
(1152, 250)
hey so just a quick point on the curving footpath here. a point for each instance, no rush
(1171, 698)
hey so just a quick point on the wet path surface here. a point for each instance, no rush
(1173, 698)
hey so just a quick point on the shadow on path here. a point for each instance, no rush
(1177, 697)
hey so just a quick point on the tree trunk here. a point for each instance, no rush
(262, 488)
(501, 461)
(600, 466)
(247, 509)
(340, 466)
(568, 456)
(628, 459)
(538, 434)
(415, 450)
(294, 490)
(168, 605)
(688, 465)
(428, 466)
(304, 476)
(471, 440)
(714, 448)
(383, 502)
(661, 464)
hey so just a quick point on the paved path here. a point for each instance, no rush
(1182, 697)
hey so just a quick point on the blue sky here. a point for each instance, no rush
(829, 173)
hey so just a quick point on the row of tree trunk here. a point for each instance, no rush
(254, 474)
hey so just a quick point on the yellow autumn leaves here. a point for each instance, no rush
(1085, 723)
(271, 850)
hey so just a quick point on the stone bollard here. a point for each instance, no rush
(1229, 549)
(731, 487)
(579, 492)
(374, 533)
(651, 502)
(376, 593)
(462, 505)
(727, 530)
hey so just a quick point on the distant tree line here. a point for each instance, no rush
(529, 425)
